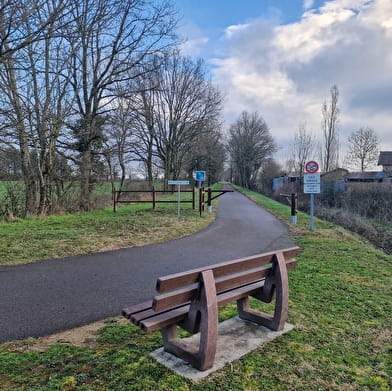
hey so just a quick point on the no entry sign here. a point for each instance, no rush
(311, 186)
(311, 167)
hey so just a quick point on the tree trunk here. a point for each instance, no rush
(85, 183)
(27, 169)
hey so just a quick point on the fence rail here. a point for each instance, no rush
(154, 200)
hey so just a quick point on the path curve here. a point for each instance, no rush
(45, 297)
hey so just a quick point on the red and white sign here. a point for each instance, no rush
(311, 167)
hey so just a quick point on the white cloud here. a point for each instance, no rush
(308, 4)
(194, 47)
(285, 71)
(194, 40)
(235, 29)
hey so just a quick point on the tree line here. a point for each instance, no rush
(88, 86)
(251, 148)
(362, 144)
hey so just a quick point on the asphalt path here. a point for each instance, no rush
(53, 295)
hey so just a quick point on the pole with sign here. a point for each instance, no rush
(178, 183)
(311, 186)
(200, 177)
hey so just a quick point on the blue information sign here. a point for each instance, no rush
(200, 176)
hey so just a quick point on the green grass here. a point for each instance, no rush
(34, 238)
(340, 304)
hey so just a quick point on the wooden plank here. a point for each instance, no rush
(246, 277)
(240, 293)
(127, 312)
(175, 298)
(140, 316)
(160, 320)
(165, 319)
(182, 296)
(185, 295)
(178, 280)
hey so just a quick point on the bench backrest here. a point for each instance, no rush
(181, 288)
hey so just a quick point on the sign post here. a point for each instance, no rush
(311, 186)
(178, 183)
(200, 177)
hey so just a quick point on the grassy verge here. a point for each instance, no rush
(33, 239)
(340, 303)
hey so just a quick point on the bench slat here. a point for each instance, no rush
(156, 321)
(239, 293)
(182, 296)
(127, 312)
(164, 319)
(178, 280)
(149, 312)
(246, 277)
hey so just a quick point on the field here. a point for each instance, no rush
(65, 197)
(35, 238)
(340, 304)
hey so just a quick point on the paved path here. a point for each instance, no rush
(49, 296)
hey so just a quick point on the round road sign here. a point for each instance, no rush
(311, 167)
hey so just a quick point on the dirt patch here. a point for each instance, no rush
(84, 336)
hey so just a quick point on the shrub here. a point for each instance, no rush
(370, 200)
(365, 208)
(12, 200)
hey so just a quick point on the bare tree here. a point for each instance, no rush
(33, 93)
(15, 130)
(250, 144)
(15, 15)
(179, 105)
(118, 138)
(300, 150)
(329, 152)
(363, 148)
(109, 42)
(207, 154)
(270, 169)
(144, 108)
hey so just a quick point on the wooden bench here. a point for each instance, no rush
(190, 300)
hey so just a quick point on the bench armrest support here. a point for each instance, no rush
(203, 316)
(276, 283)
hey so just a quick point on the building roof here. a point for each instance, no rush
(385, 158)
(365, 176)
(337, 171)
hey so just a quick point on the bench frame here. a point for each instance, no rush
(190, 300)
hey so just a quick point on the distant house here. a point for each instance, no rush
(338, 174)
(365, 176)
(385, 160)
(334, 180)
(277, 183)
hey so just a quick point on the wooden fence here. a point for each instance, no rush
(154, 199)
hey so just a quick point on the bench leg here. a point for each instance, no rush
(203, 316)
(276, 283)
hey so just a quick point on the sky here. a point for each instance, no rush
(281, 58)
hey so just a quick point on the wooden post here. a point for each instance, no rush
(293, 208)
(114, 201)
(153, 197)
(201, 201)
(209, 199)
